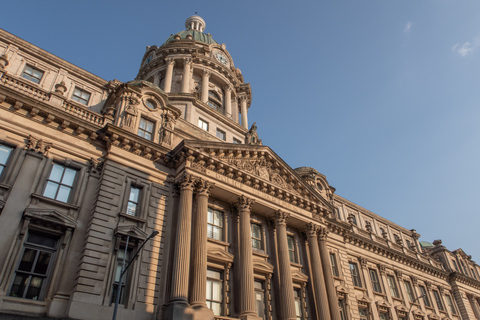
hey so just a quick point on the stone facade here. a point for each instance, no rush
(90, 168)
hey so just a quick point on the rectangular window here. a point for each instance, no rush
(122, 257)
(355, 275)
(259, 298)
(341, 307)
(133, 201)
(215, 224)
(203, 124)
(237, 141)
(383, 316)
(221, 134)
(256, 233)
(81, 96)
(473, 271)
(438, 300)
(292, 249)
(375, 281)
(33, 269)
(363, 313)
(409, 290)
(60, 183)
(32, 74)
(426, 299)
(450, 304)
(298, 304)
(333, 262)
(455, 265)
(215, 291)
(392, 284)
(4, 155)
(464, 268)
(145, 129)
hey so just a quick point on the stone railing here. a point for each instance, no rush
(84, 113)
(24, 86)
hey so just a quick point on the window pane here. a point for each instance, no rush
(217, 291)
(34, 288)
(19, 285)
(41, 239)
(69, 176)
(56, 174)
(217, 308)
(256, 233)
(42, 263)
(142, 124)
(134, 192)
(4, 154)
(28, 258)
(51, 190)
(63, 193)
(218, 219)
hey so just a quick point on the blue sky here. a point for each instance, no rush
(380, 96)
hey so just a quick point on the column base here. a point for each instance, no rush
(202, 312)
(179, 310)
(250, 317)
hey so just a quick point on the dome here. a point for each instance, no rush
(195, 26)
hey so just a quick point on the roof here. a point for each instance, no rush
(197, 36)
(426, 244)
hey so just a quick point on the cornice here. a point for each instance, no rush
(458, 277)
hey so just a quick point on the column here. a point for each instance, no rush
(199, 246)
(323, 311)
(205, 82)
(235, 110)
(156, 79)
(187, 64)
(245, 260)
(243, 105)
(327, 271)
(287, 300)
(228, 102)
(474, 304)
(169, 74)
(181, 258)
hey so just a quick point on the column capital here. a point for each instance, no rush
(322, 233)
(414, 280)
(381, 269)
(399, 274)
(227, 88)
(243, 203)
(363, 262)
(203, 187)
(242, 97)
(170, 61)
(281, 217)
(311, 230)
(206, 73)
(186, 181)
(428, 284)
(187, 60)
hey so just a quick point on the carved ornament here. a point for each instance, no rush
(204, 187)
(281, 217)
(186, 181)
(38, 145)
(311, 230)
(244, 204)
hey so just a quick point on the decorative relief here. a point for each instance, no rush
(363, 262)
(243, 203)
(381, 269)
(186, 181)
(322, 233)
(311, 230)
(38, 145)
(204, 187)
(281, 217)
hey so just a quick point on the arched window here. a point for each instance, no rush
(215, 101)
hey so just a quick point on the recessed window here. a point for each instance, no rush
(215, 224)
(341, 308)
(32, 74)
(333, 262)
(149, 103)
(298, 303)
(383, 316)
(259, 298)
(426, 300)
(363, 313)
(133, 201)
(473, 271)
(122, 257)
(450, 304)
(392, 284)
(145, 129)
(4, 155)
(355, 275)
(438, 299)
(256, 233)
(375, 281)
(60, 183)
(291, 249)
(150, 57)
(215, 291)
(237, 141)
(221, 134)
(81, 96)
(33, 270)
(409, 290)
(455, 265)
(214, 101)
(203, 124)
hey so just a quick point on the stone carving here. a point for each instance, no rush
(3, 61)
(186, 181)
(243, 203)
(130, 115)
(204, 187)
(281, 217)
(251, 137)
(38, 145)
(60, 88)
(168, 125)
(322, 233)
(368, 226)
(311, 230)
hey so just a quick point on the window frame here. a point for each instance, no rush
(136, 202)
(260, 291)
(59, 184)
(220, 133)
(212, 281)
(451, 304)
(409, 290)
(376, 285)
(297, 294)
(392, 284)
(292, 252)
(125, 286)
(220, 228)
(144, 131)
(236, 141)
(79, 98)
(9, 156)
(438, 300)
(365, 316)
(30, 76)
(334, 264)
(203, 123)
(257, 240)
(342, 306)
(355, 277)
(426, 298)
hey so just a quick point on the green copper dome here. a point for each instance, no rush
(196, 35)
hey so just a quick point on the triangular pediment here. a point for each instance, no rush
(219, 255)
(462, 253)
(50, 216)
(131, 231)
(255, 166)
(262, 266)
(299, 276)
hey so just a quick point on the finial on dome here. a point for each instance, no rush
(195, 23)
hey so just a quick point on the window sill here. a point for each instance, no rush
(397, 299)
(220, 242)
(259, 253)
(54, 202)
(359, 288)
(130, 217)
(379, 294)
(296, 265)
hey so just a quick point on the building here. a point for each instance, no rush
(90, 168)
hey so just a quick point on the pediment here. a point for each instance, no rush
(262, 266)
(433, 316)
(299, 276)
(131, 231)
(50, 216)
(401, 309)
(364, 300)
(462, 253)
(255, 166)
(220, 255)
(342, 290)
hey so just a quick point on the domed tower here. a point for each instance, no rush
(200, 79)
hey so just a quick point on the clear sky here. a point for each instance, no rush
(381, 96)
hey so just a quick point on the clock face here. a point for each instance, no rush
(221, 57)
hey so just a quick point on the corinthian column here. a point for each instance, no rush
(243, 104)
(169, 74)
(205, 81)
(187, 64)
(245, 261)
(181, 258)
(287, 300)
(228, 101)
(323, 311)
(199, 246)
(327, 271)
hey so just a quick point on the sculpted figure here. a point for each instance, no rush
(251, 137)
(167, 128)
(130, 115)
